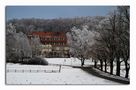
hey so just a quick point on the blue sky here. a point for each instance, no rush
(50, 12)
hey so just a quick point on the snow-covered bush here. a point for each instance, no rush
(36, 61)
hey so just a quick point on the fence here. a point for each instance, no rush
(31, 71)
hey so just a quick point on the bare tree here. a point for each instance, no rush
(124, 35)
(114, 38)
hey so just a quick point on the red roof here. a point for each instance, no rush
(51, 35)
(59, 34)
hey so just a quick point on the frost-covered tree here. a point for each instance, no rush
(35, 45)
(114, 36)
(80, 42)
(17, 45)
(23, 44)
(123, 13)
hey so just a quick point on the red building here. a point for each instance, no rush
(55, 43)
(52, 38)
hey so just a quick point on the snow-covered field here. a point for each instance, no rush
(38, 74)
(68, 61)
(77, 62)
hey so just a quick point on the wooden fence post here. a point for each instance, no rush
(59, 68)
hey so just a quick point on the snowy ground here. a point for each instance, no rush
(68, 61)
(77, 62)
(37, 74)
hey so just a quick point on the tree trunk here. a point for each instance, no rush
(82, 62)
(127, 69)
(127, 73)
(101, 62)
(111, 67)
(95, 63)
(105, 65)
(118, 67)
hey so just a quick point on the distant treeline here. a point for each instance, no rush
(55, 25)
